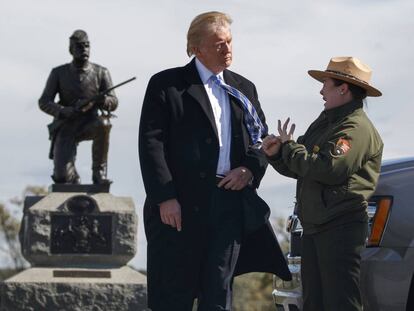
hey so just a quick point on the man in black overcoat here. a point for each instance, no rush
(201, 166)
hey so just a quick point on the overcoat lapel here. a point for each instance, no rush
(231, 80)
(237, 122)
(236, 109)
(198, 92)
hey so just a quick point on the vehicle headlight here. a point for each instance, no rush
(378, 210)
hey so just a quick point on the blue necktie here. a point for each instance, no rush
(253, 123)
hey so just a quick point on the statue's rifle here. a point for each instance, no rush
(81, 105)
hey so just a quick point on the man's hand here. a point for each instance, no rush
(236, 179)
(170, 212)
(271, 145)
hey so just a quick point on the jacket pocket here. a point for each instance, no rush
(334, 195)
(312, 205)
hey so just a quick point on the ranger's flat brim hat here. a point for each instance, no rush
(350, 70)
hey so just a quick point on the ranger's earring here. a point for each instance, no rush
(342, 93)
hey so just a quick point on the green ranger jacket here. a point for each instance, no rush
(336, 163)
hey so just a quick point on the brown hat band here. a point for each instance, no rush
(347, 75)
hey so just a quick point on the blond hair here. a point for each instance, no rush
(203, 24)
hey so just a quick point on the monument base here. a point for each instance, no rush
(87, 188)
(73, 289)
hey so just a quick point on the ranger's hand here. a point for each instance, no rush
(285, 135)
(236, 179)
(170, 212)
(66, 112)
(271, 145)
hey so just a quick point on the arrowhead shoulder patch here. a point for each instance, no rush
(342, 147)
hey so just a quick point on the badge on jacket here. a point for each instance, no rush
(342, 147)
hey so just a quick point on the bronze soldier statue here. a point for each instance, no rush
(82, 112)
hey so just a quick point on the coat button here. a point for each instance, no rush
(196, 209)
(203, 175)
(208, 140)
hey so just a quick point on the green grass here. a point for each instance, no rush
(253, 292)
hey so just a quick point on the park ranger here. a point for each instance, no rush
(336, 164)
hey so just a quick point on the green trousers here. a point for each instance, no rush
(331, 268)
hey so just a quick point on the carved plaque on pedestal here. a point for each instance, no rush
(81, 234)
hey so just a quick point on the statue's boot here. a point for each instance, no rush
(99, 175)
(72, 174)
(67, 175)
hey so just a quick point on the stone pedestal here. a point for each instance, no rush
(78, 243)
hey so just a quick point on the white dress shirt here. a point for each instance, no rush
(220, 104)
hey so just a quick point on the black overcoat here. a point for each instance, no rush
(179, 149)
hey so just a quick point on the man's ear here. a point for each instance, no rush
(195, 50)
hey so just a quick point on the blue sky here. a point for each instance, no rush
(274, 44)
